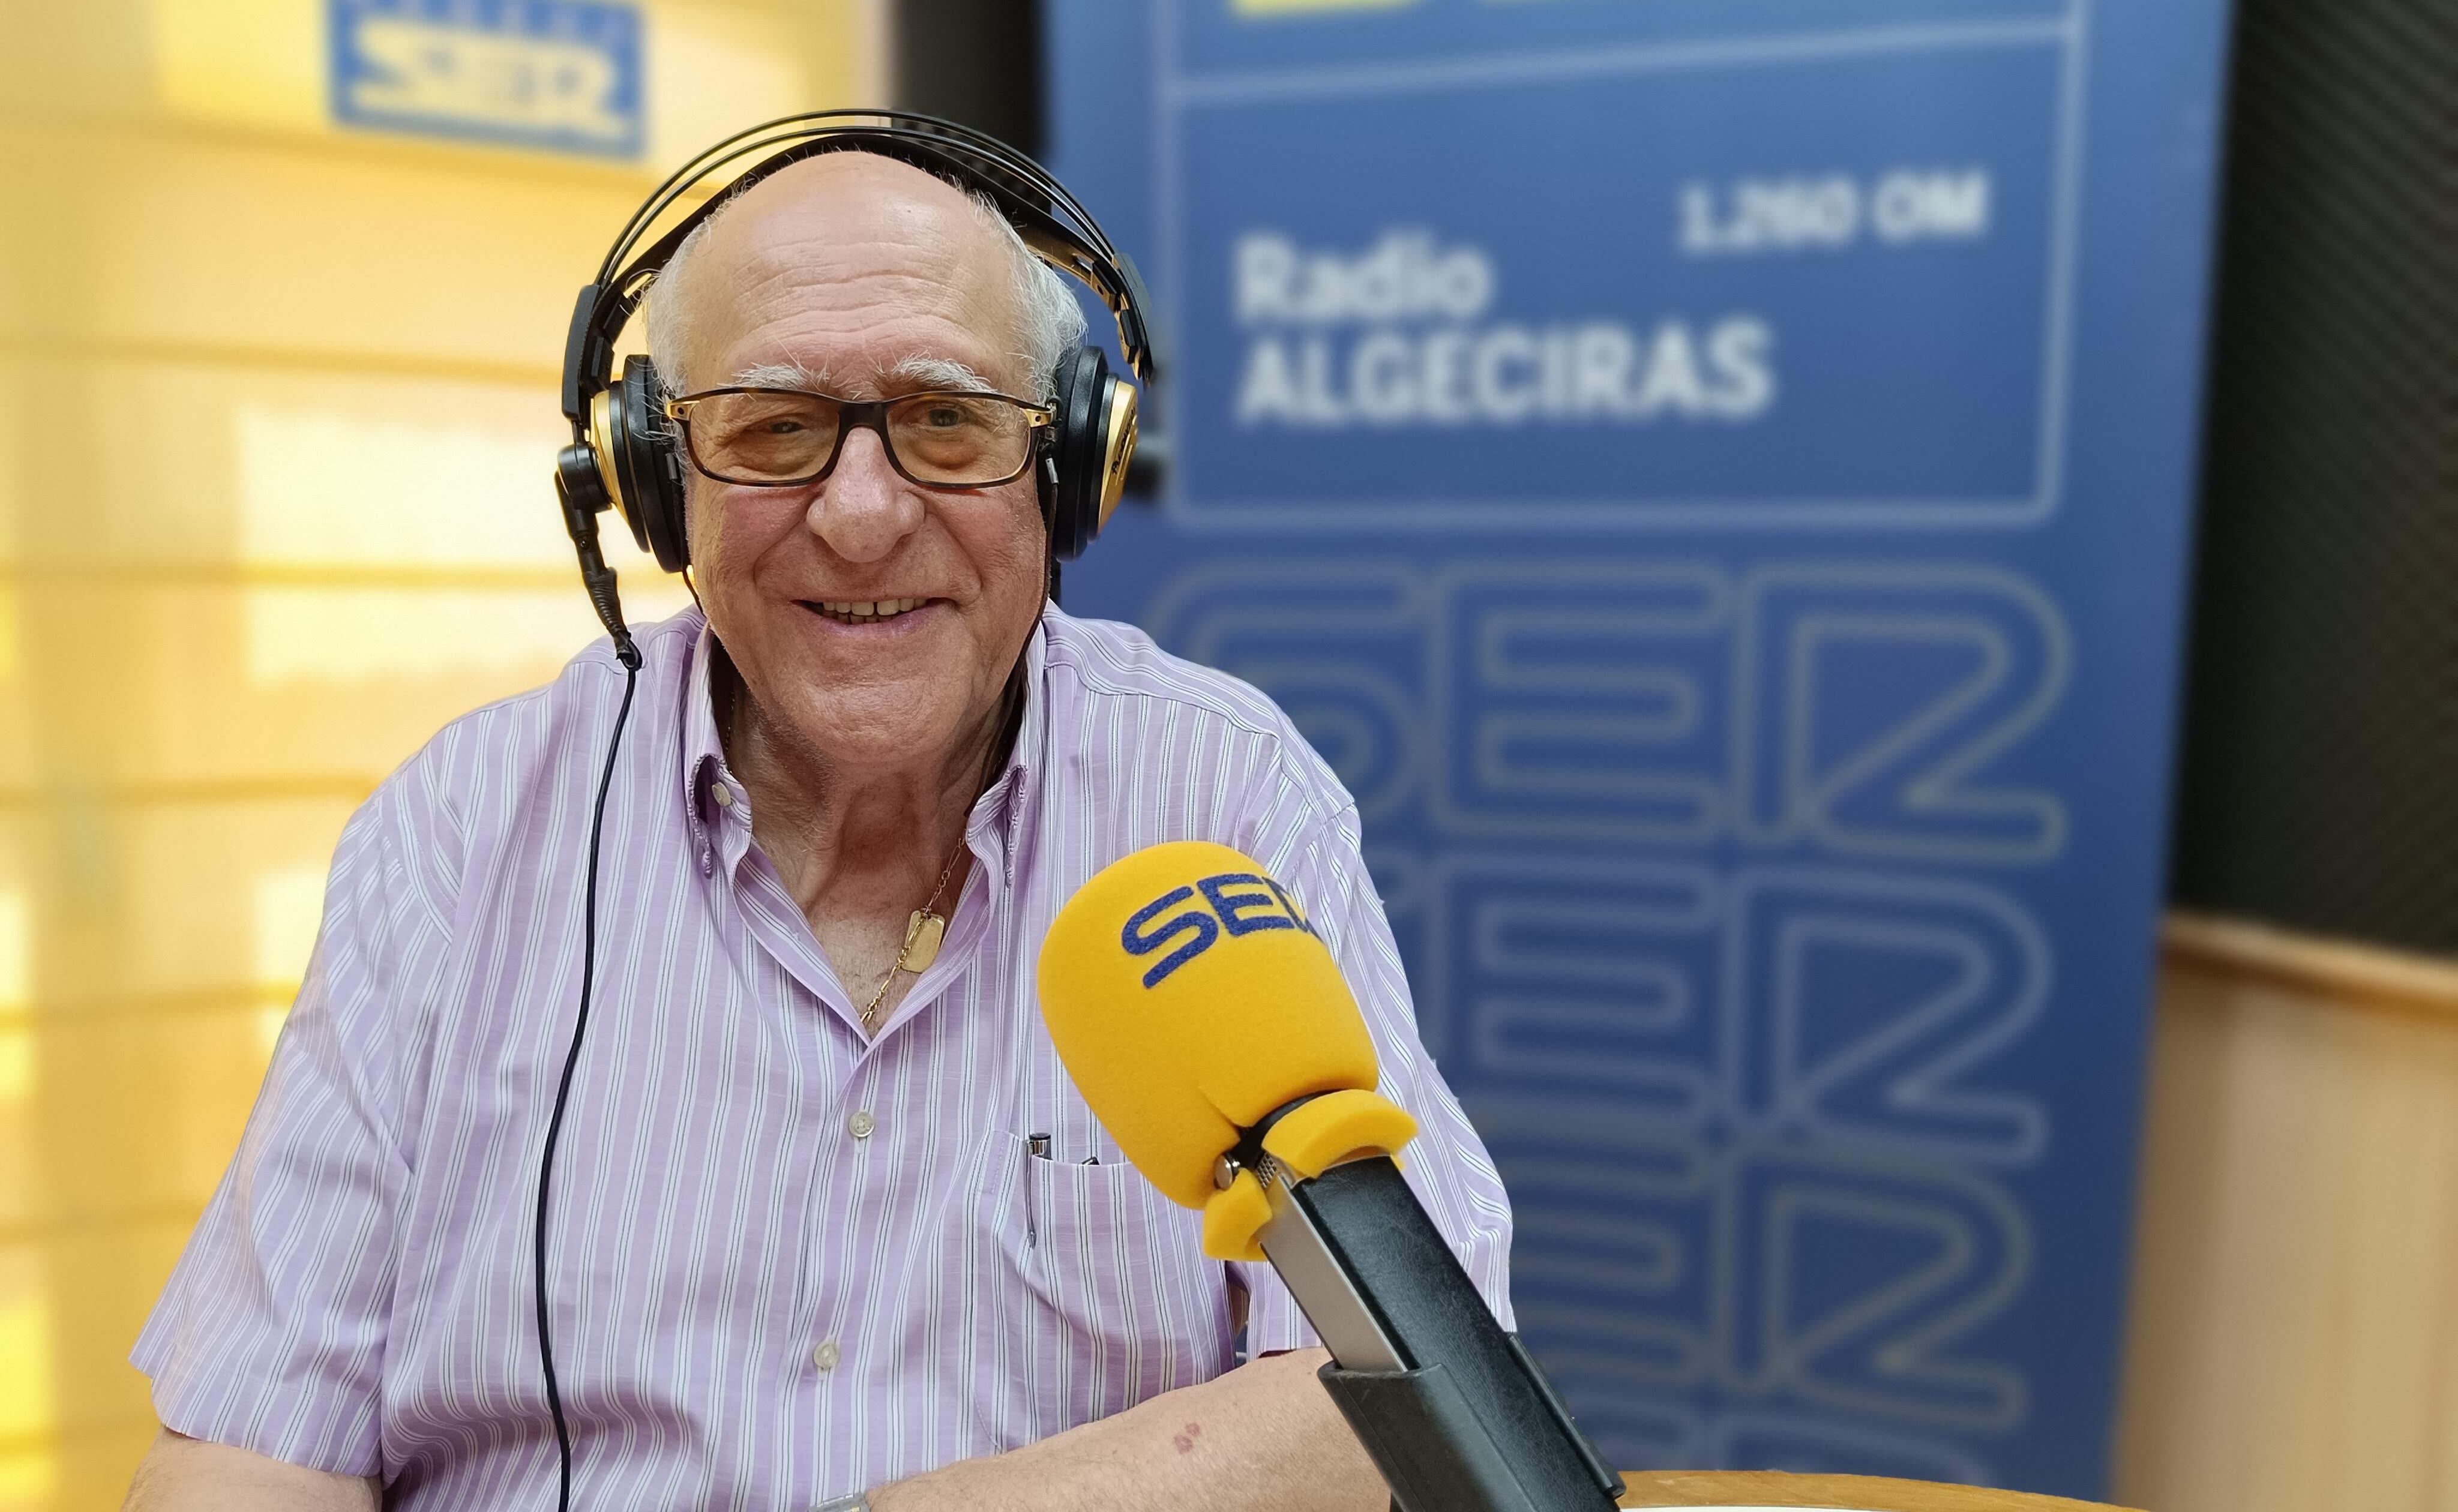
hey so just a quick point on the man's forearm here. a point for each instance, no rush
(181, 1474)
(1263, 1438)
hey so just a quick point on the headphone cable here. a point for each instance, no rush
(629, 655)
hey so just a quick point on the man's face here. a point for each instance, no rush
(870, 277)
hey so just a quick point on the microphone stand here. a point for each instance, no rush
(1454, 1412)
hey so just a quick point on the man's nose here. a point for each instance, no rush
(863, 508)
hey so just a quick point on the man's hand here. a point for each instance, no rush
(1264, 1438)
(1261, 1438)
(181, 1474)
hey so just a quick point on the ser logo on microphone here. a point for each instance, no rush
(1241, 902)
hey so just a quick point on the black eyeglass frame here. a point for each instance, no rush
(865, 414)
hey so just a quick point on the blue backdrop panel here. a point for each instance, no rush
(1713, 477)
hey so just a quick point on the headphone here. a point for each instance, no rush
(623, 454)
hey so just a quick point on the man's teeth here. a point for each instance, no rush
(858, 610)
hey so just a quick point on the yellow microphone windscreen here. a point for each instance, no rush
(1188, 996)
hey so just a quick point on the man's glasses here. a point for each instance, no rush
(778, 438)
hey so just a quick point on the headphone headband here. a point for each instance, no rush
(1053, 223)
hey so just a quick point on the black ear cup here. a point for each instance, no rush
(639, 456)
(1077, 384)
(1095, 438)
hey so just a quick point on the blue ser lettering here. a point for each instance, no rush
(1242, 913)
(1195, 922)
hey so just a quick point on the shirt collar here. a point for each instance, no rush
(996, 822)
(992, 829)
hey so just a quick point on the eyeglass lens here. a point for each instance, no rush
(776, 436)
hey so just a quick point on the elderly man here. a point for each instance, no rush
(829, 1225)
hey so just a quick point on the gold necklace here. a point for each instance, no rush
(924, 930)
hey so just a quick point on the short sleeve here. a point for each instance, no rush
(1446, 1164)
(270, 1335)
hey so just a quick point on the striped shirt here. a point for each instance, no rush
(787, 1263)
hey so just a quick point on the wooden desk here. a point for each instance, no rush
(1675, 1488)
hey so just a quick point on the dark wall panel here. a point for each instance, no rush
(2320, 778)
(974, 61)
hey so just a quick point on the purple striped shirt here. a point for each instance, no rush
(787, 1263)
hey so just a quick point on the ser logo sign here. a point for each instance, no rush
(1240, 903)
(561, 75)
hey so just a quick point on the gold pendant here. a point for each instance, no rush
(922, 932)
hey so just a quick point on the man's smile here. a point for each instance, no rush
(866, 611)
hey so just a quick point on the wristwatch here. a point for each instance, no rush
(859, 1502)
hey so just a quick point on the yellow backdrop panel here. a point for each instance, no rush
(277, 418)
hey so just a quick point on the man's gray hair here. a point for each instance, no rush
(1050, 322)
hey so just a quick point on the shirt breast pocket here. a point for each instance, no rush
(1114, 1300)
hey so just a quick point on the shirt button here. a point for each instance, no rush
(825, 1356)
(720, 795)
(861, 1123)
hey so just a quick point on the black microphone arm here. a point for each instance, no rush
(1455, 1411)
